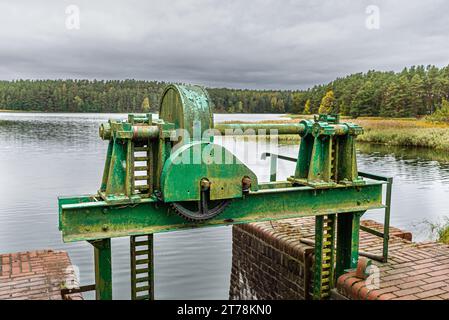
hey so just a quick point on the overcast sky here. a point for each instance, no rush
(243, 44)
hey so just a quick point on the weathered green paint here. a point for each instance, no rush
(348, 227)
(320, 166)
(116, 184)
(185, 105)
(305, 151)
(325, 184)
(186, 166)
(327, 154)
(386, 233)
(273, 168)
(323, 270)
(97, 220)
(103, 269)
(104, 180)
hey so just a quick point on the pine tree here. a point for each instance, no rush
(396, 99)
(296, 103)
(363, 101)
(417, 94)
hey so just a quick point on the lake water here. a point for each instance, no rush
(46, 155)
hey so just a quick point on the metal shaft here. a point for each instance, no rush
(145, 132)
(140, 132)
(243, 128)
(271, 128)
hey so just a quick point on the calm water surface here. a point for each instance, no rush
(45, 155)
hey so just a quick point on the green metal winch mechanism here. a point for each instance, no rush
(168, 174)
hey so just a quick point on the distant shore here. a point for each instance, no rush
(385, 131)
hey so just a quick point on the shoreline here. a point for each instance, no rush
(407, 132)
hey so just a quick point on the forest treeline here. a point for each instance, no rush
(415, 91)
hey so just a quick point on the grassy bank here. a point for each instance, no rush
(394, 132)
(440, 230)
(400, 132)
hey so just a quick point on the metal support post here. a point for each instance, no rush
(103, 269)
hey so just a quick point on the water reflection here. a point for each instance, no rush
(421, 184)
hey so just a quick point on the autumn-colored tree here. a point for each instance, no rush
(442, 113)
(146, 105)
(307, 107)
(327, 103)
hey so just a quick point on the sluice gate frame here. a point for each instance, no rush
(147, 188)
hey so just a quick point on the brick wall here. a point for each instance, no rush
(263, 267)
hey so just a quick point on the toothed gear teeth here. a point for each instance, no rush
(198, 216)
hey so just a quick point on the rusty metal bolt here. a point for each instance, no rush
(246, 183)
(205, 184)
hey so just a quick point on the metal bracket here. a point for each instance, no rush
(65, 292)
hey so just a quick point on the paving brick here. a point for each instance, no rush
(386, 296)
(444, 296)
(433, 285)
(430, 293)
(441, 278)
(411, 284)
(408, 297)
(434, 298)
(405, 292)
(35, 275)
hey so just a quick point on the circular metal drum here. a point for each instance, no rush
(187, 106)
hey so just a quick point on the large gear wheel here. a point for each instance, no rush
(198, 211)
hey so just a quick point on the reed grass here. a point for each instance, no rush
(405, 132)
(440, 230)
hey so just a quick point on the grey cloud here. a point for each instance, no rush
(244, 44)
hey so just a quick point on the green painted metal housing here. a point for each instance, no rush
(192, 162)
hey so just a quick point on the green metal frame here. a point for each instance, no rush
(348, 227)
(89, 218)
(388, 181)
(385, 235)
(136, 199)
